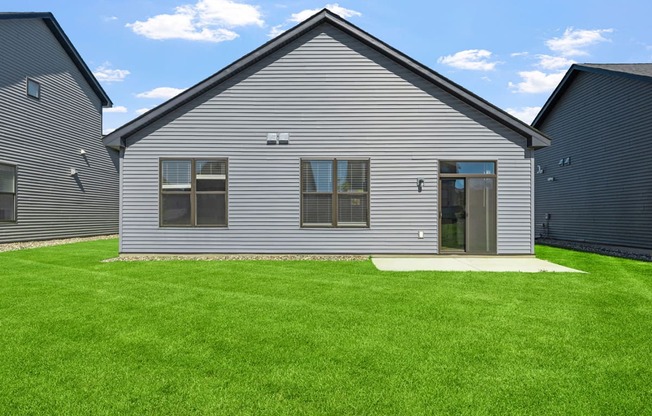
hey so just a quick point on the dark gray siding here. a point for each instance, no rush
(603, 124)
(44, 138)
(337, 98)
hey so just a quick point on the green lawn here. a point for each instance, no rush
(257, 337)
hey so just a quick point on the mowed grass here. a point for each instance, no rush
(78, 336)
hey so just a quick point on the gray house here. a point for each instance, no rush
(57, 179)
(326, 140)
(595, 184)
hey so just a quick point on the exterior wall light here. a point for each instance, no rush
(420, 183)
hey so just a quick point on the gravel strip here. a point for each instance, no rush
(228, 257)
(22, 245)
(624, 252)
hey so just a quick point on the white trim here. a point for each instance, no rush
(532, 170)
(121, 166)
(202, 176)
(181, 186)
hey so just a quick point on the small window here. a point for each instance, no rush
(33, 89)
(335, 193)
(193, 192)
(7, 192)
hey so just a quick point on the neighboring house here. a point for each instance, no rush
(57, 179)
(595, 182)
(326, 140)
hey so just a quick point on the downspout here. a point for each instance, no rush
(120, 202)
(532, 208)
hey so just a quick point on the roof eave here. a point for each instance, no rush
(533, 136)
(52, 24)
(538, 142)
(58, 32)
(113, 139)
(113, 142)
(449, 86)
(554, 97)
(566, 81)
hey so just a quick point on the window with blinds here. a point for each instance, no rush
(335, 193)
(7, 192)
(193, 192)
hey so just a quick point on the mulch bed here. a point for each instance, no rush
(22, 245)
(228, 257)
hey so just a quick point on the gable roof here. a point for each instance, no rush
(59, 34)
(640, 72)
(535, 139)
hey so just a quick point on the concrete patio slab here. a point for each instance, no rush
(527, 264)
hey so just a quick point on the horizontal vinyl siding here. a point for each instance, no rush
(514, 206)
(337, 98)
(603, 124)
(44, 138)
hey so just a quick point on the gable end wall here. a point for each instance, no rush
(603, 124)
(44, 138)
(337, 98)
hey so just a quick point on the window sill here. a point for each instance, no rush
(342, 226)
(193, 226)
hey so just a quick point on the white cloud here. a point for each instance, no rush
(573, 42)
(333, 7)
(179, 26)
(142, 111)
(275, 31)
(116, 109)
(534, 82)
(526, 114)
(515, 54)
(109, 18)
(105, 74)
(107, 131)
(305, 14)
(554, 62)
(161, 93)
(471, 59)
(228, 13)
(206, 20)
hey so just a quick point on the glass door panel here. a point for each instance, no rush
(481, 210)
(453, 215)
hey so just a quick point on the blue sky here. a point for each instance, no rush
(512, 53)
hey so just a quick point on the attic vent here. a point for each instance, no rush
(278, 138)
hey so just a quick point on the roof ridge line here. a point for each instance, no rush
(534, 137)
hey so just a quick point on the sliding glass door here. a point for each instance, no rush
(481, 211)
(453, 215)
(467, 207)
